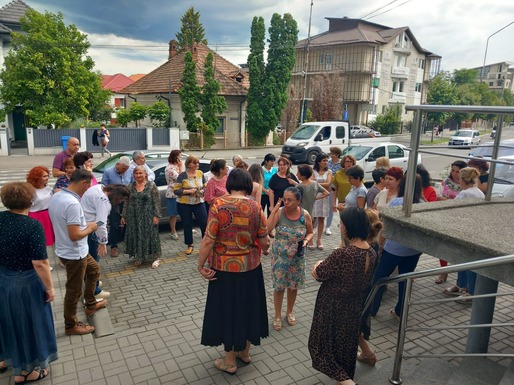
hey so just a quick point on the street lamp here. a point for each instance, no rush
(486, 45)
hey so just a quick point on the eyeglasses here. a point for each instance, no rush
(195, 162)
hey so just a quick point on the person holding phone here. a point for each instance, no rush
(96, 203)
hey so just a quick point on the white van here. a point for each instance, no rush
(313, 138)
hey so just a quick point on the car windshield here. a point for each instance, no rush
(464, 133)
(304, 132)
(487, 151)
(107, 163)
(358, 152)
(504, 174)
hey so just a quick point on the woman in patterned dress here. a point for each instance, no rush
(293, 231)
(345, 275)
(235, 311)
(322, 207)
(141, 215)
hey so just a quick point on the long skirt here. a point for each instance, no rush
(43, 217)
(235, 311)
(27, 335)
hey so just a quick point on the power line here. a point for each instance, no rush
(378, 9)
(399, 5)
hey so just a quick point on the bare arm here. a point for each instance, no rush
(42, 268)
(76, 234)
(361, 202)
(274, 216)
(310, 229)
(57, 173)
(271, 195)
(206, 250)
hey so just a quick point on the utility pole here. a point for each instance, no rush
(486, 46)
(306, 67)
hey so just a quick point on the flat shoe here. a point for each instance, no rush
(454, 290)
(320, 247)
(220, 365)
(393, 314)
(277, 324)
(189, 250)
(291, 320)
(156, 263)
(311, 247)
(463, 299)
(371, 361)
(240, 358)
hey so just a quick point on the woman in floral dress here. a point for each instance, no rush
(322, 207)
(293, 231)
(141, 215)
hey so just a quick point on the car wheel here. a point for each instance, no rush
(311, 157)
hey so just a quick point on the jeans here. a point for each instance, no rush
(467, 280)
(388, 262)
(116, 232)
(186, 216)
(92, 242)
(76, 271)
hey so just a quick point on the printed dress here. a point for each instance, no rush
(288, 270)
(322, 207)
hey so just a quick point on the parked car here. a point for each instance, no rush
(358, 129)
(504, 178)
(486, 150)
(109, 162)
(366, 156)
(464, 138)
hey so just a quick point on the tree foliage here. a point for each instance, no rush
(269, 97)
(326, 95)
(159, 113)
(137, 112)
(441, 91)
(49, 73)
(289, 119)
(389, 122)
(190, 94)
(191, 30)
(212, 103)
(123, 117)
(102, 114)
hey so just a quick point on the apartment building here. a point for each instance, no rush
(498, 76)
(374, 66)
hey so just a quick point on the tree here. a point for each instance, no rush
(191, 31)
(102, 114)
(190, 94)
(123, 117)
(256, 71)
(326, 94)
(212, 103)
(137, 112)
(159, 112)
(389, 122)
(269, 96)
(465, 76)
(49, 73)
(291, 113)
(441, 91)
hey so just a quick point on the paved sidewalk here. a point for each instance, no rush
(157, 317)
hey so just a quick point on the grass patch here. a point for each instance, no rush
(436, 141)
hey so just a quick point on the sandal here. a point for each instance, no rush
(320, 246)
(42, 373)
(441, 279)
(245, 361)
(454, 290)
(220, 365)
(189, 250)
(311, 247)
(463, 299)
(371, 361)
(291, 320)
(277, 324)
(156, 263)
(138, 263)
(393, 314)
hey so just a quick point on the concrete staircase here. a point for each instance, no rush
(470, 371)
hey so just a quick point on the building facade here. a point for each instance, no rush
(375, 67)
(498, 76)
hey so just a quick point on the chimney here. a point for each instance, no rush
(172, 49)
(194, 51)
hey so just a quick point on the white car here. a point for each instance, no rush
(504, 178)
(366, 156)
(465, 138)
(357, 130)
(486, 150)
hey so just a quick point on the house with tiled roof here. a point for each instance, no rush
(115, 83)
(376, 66)
(10, 15)
(165, 81)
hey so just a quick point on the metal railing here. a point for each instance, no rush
(409, 277)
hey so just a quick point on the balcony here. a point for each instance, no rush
(398, 97)
(400, 72)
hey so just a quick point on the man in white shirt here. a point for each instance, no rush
(139, 159)
(71, 231)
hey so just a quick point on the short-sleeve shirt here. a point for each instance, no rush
(309, 194)
(343, 185)
(64, 210)
(235, 224)
(59, 160)
(279, 184)
(215, 188)
(22, 240)
(186, 182)
(354, 194)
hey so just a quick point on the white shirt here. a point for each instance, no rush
(64, 210)
(473, 192)
(43, 196)
(96, 206)
(151, 174)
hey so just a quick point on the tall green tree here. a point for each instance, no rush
(137, 112)
(190, 94)
(213, 104)
(159, 112)
(441, 91)
(191, 31)
(49, 73)
(256, 70)
(283, 36)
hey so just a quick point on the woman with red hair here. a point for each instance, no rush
(38, 177)
(392, 180)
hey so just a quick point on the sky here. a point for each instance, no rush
(131, 36)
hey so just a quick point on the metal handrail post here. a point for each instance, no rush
(494, 155)
(398, 356)
(413, 162)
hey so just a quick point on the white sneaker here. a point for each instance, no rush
(328, 231)
(103, 294)
(100, 283)
(195, 231)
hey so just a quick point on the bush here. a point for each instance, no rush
(389, 122)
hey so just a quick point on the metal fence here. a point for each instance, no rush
(161, 136)
(53, 138)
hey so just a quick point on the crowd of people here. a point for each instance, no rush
(244, 214)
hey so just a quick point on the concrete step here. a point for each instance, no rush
(508, 377)
(477, 371)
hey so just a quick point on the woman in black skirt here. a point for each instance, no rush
(27, 336)
(235, 311)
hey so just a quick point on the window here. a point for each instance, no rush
(418, 87)
(398, 85)
(400, 60)
(402, 41)
(325, 133)
(491, 84)
(395, 152)
(421, 63)
(340, 132)
(379, 54)
(377, 153)
(328, 61)
(221, 127)
(160, 177)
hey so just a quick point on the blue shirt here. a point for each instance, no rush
(111, 176)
